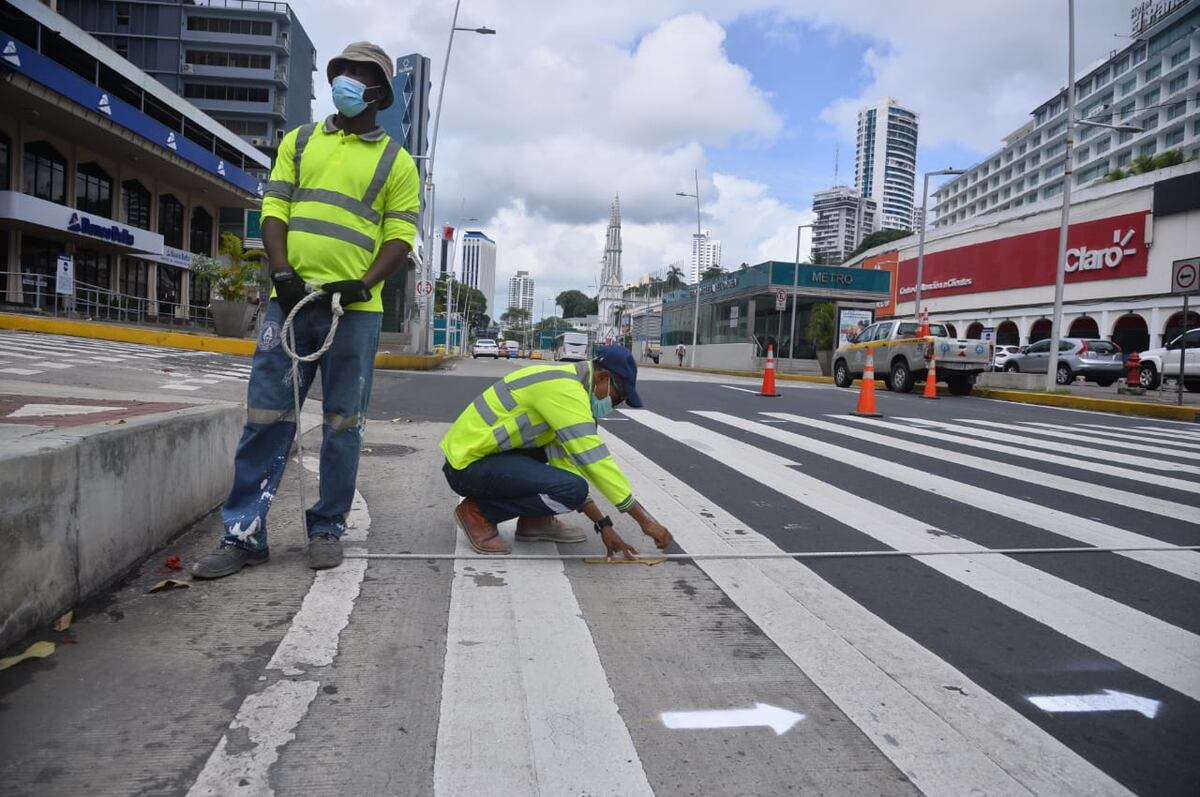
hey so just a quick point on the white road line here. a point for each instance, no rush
(1084, 452)
(52, 366)
(1159, 506)
(1173, 433)
(526, 706)
(1082, 438)
(1109, 432)
(271, 716)
(742, 389)
(947, 742)
(1157, 649)
(19, 371)
(1065, 524)
(1039, 456)
(179, 386)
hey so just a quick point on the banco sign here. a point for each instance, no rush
(108, 232)
(1081, 258)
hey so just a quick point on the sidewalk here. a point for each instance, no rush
(195, 341)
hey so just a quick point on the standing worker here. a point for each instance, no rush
(528, 446)
(339, 211)
(681, 352)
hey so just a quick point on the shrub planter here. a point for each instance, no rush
(229, 317)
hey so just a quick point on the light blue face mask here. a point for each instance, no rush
(348, 96)
(601, 407)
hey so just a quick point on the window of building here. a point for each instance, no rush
(1150, 121)
(1082, 154)
(1103, 144)
(5, 156)
(1177, 84)
(1179, 57)
(1147, 149)
(93, 189)
(1126, 111)
(122, 47)
(45, 174)
(1121, 65)
(1021, 150)
(134, 277)
(205, 91)
(1056, 169)
(1153, 71)
(1150, 97)
(93, 269)
(201, 233)
(1124, 137)
(1127, 85)
(1035, 140)
(1178, 109)
(228, 59)
(1174, 137)
(1196, 128)
(135, 204)
(1054, 150)
(242, 27)
(1139, 54)
(1124, 158)
(1052, 190)
(245, 127)
(170, 220)
(122, 14)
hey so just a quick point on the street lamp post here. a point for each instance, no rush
(427, 233)
(696, 311)
(795, 287)
(921, 234)
(1060, 273)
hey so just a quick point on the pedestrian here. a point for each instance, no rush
(528, 446)
(680, 352)
(339, 211)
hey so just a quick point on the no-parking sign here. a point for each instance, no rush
(1185, 275)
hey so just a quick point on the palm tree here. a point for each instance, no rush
(675, 277)
(711, 272)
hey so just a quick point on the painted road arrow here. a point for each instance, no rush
(778, 719)
(1108, 700)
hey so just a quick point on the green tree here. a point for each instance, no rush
(1171, 157)
(821, 324)
(1142, 164)
(821, 257)
(675, 278)
(576, 304)
(467, 300)
(234, 274)
(1114, 175)
(878, 238)
(711, 272)
(516, 322)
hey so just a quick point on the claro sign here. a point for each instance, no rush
(1111, 248)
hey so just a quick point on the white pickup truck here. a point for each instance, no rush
(901, 357)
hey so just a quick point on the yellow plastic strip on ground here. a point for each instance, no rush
(38, 650)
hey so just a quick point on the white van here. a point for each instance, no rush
(512, 348)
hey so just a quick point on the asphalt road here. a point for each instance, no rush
(948, 670)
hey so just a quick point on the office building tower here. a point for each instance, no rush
(247, 63)
(520, 292)
(842, 220)
(1152, 83)
(885, 167)
(407, 120)
(706, 254)
(479, 265)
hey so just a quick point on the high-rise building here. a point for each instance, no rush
(706, 253)
(479, 265)
(407, 120)
(1152, 83)
(885, 167)
(843, 219)
(520, 292)
(247, 63)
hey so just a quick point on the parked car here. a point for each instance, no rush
(1098, 361)
(1002, 354)
(1164, 362)
(901, 357)
(512, 348)
(485, 347)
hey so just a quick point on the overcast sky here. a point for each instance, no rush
(575, 101)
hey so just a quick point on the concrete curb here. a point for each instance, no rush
(1142, 408)
(82, 506)
(184, 340)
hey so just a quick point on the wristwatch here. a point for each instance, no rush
(601, 523)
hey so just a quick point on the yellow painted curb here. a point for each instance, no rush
(1143, 408)
(126, 334)
(409, 362)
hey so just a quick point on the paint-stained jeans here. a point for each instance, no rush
(518, 483)
(262, 453)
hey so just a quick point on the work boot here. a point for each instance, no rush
(547, 528)
(324, 551)
(481, 532)
(227, 560)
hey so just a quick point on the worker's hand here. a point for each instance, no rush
(289, 289)
(657, 532)
(352, 291)
(614, 544)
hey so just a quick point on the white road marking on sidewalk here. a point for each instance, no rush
(777, 719)
(1109, 432)
(1107, 700)
(1084, 452)
(927, 431)
(526, 706)
(1157, 649)
(312, 638)
(1158, 506)
(892, 688)
(179, 386)
(47, 410)
(54, 366)
(1081, 438)
(19, 371)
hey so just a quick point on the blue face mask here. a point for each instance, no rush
(348, 96)
(601, 407)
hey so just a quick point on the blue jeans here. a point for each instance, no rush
(518, 483)
(262, 454)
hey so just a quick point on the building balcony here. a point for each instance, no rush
(229, 72)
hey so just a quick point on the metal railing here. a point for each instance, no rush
(95, 303)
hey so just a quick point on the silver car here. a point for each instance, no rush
(1002, 354)
(1098, 361)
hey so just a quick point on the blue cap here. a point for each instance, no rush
(619, 361)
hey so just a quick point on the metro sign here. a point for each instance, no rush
(1083, 259)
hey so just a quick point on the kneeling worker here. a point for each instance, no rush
(525, 446)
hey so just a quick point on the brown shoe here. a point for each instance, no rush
(481, 532)
(547, 528)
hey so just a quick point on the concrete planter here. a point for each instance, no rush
(825, 360)
(229, 317)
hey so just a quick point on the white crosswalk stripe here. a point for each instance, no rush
(1109, 432)
(1092, 440)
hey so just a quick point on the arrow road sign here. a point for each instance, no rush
(778, 719)
(1108, 700)
(1185, 275)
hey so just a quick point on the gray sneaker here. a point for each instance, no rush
(324, 551)
(227, 560)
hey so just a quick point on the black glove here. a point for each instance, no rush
(289, 289)
(352, 291)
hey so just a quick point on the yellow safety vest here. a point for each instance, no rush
(342, 197)
(542, 406)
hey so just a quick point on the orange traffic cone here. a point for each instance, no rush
(768, 385)
(923, 323)
(866, 393)
(931, 380)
